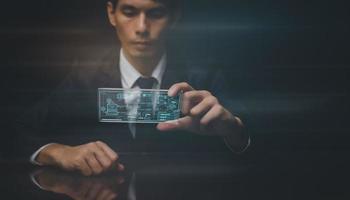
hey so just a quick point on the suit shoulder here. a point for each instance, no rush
(88, 71)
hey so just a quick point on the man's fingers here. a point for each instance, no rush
(197, 95)
(111, 154)
(91, 158)
(84, 168)
(203, 107)
(181, 123)
(94, 165)
(214, 113)
(103, 157)
(191, 99)
(176, 88)
(166, 126)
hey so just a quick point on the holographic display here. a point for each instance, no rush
(137, 105)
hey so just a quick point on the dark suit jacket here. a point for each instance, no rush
(69, 114)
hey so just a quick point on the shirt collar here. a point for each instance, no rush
(129, 74)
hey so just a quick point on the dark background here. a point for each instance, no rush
(288, 61)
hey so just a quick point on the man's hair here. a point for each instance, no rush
(174, 6)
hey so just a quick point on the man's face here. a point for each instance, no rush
(140, 26)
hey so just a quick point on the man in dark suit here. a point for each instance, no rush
(69, 116)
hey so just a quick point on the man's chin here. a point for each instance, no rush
(142, 54)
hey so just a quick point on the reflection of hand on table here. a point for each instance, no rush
(77, 186)
(92, 158)
(203, 114)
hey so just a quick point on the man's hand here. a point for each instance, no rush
(203, 114)
(89, 159)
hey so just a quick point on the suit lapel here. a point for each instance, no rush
(109, 72)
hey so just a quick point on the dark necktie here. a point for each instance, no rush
(146, 83)
(144, 132)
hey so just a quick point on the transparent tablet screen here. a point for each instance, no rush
(137, 106)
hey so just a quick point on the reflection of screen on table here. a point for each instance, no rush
(137, 105)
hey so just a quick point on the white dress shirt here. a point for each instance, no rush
(129, 74)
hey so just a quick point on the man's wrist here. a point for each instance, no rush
(50, 154)
(34, 156)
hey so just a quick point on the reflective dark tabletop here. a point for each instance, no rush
(308, 174)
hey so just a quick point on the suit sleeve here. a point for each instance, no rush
(217, 82)
(53, 119)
